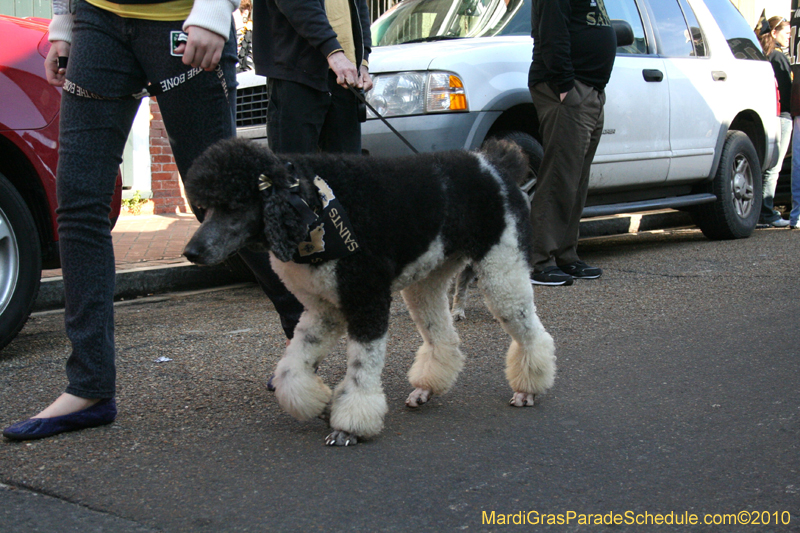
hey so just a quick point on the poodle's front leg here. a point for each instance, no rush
(299, 390)
(359, 404)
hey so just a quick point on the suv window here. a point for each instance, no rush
(626, 10)
(740, 36)
(673, 33)
(431, 20)
(698, 39)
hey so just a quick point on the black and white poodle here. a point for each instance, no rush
(345, 231)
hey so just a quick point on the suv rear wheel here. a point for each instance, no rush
(737, 186)
(20, 262)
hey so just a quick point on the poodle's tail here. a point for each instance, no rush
(508, 158)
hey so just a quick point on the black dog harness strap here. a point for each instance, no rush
(330, 234)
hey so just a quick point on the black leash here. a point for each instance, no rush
(359, 94)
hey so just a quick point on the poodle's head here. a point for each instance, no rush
(241, 189)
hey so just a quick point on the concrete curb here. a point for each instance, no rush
(634, 223)
(147, 281)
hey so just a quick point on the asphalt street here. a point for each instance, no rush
(677, 396)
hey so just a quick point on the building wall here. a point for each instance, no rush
(27, 8)
(752, 9)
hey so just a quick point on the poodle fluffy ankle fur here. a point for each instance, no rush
(414, 223)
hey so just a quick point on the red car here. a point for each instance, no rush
(28, 156)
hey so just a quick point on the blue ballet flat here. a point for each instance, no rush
(102, 413)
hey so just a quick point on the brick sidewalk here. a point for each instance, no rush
(148, 240)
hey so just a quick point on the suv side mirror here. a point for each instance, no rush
(624, 32)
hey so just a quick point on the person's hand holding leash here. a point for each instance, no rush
(56, 70)
(365, 80)
(202, 49)
(345, 70)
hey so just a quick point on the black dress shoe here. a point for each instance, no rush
(102, 413)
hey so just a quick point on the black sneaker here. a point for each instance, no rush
(580, 270)
(551, 276)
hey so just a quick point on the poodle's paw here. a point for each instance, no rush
(301, 394)
(340, 438)
(459, 314)
(358, 412)
(522, 399)
(418, 397)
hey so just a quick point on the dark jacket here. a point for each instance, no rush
(293, 38)
(572, 39)
(783, 75)
(795, 105)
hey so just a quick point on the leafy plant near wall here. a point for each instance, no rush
(134, 203)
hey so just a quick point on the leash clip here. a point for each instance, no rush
(144, 93)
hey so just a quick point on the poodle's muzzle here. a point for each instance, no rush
(223, 233)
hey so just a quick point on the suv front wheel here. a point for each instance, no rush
(20, 262)
(737, 186)
(535, 153)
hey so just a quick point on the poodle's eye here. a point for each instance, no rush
(289, 167)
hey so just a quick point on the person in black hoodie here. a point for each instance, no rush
(311, 51)
(574, 46)
(308, 50)
(773, 36)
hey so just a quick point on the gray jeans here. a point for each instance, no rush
(570, 132)
(114, 57)
(768, 213)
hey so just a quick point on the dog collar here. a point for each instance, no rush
(307, 215)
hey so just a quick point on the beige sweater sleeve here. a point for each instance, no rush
(338, 12)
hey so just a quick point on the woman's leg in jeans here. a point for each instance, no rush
(92, 140)
(768, 213)
(794, 216)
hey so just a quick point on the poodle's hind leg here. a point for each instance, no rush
(439, 360)
(299, 390)
(461, 292)
(503, 277)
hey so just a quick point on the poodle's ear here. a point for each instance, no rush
(283, 226)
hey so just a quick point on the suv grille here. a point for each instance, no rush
(251, 106)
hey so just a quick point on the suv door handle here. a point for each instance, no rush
(652, 74)
(719, 75)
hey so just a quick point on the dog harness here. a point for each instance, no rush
(329, 233)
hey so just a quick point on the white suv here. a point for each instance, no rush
(690, 116)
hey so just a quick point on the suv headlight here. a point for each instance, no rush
(416, 93)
